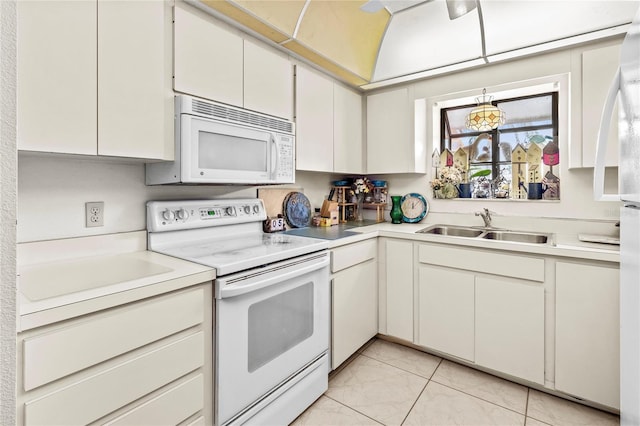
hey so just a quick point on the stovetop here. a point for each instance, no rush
(223, 234)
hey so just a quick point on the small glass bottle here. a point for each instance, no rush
(315, 220)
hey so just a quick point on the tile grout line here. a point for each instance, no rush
(421, 392)
(436, 369)
(402, 369)
(353, 409)
(477, 397)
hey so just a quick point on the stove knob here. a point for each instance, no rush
(168, 215)
(256, 209)
(247, 209)
(229, 211)
(182, 214)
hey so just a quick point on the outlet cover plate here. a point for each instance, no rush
(94, 214)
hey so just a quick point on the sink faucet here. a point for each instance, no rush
(486, 217)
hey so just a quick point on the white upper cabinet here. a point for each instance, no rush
(328, 125)
(135, 102)
(598, 69)
(268, 81)
(56, 76)
(314, 121)
(347, 131)
(208, 59)
(396, 133)
(216, 63)
(94, 78)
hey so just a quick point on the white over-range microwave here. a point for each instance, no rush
(221, 144)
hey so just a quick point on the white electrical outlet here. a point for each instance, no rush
(94, 213)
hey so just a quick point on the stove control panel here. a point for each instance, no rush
(187, 214)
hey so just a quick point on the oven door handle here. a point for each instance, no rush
(268, 278)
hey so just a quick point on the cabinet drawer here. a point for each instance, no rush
(171, 407)
(91, 340)
(344, 257)
(109, 390)
(496, 263)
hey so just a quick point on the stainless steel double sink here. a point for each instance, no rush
(488, 234)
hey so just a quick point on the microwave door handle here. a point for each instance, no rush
(275, 158)
(603, 139)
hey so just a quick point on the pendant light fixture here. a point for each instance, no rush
(484, 116)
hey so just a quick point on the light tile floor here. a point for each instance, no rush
(390, 384)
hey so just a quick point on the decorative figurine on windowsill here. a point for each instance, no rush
(444, 185)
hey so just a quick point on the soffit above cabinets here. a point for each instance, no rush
(411, 39)
(511, 25)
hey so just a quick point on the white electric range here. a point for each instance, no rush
(272, 305)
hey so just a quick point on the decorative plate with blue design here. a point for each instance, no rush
(297, 210)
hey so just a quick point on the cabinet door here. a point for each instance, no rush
(399, 289)
(598, 69)
(268, 82)
(355, 310)
(347, 131)
(135, 103)
(56, 76)
(509, 324)
(389, 143)
(446, 306)
(314, 121)
(588, 332)
(208, 59)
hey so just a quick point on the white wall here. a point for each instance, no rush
(7, 212)
(576, 184)
(53, 189)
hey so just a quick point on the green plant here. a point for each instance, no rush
(481, 173)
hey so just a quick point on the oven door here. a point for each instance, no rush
(270, 324)
(218, 152)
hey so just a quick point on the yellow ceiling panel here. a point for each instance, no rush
(248, 20)
(343, 33)
(326, 64)
(334, 34)
(282, 14)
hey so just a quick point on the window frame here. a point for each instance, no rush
(495, 163)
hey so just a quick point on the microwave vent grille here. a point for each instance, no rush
(240, 116)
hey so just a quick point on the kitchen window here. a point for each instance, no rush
(519, 159)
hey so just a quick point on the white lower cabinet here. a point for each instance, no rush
(483, 306)
(446, 307)
(354, 298)
(507, 312)
(148, 362)
(588, 332)
(509, 326)
(396, 289)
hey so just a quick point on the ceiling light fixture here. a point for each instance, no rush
(458, 8)
(484, 116)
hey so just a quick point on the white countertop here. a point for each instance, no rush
(566, 245)
(61, 279)
(54, 286)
